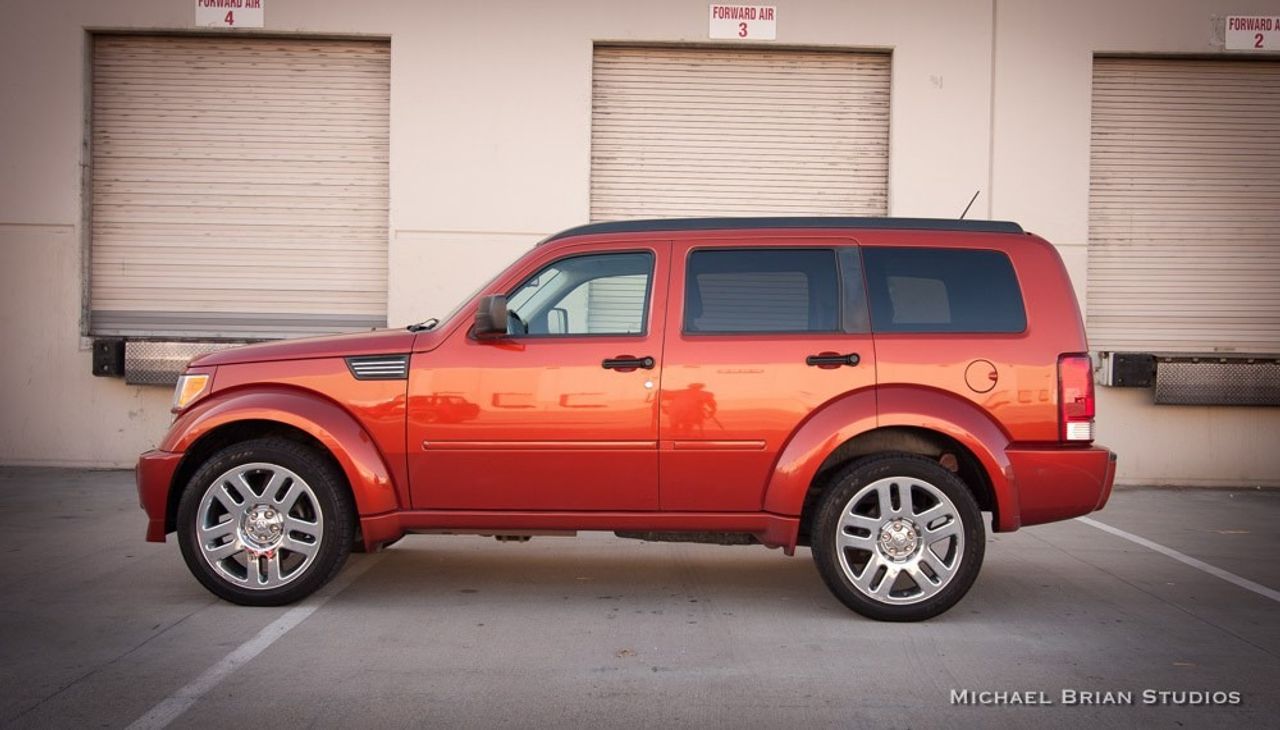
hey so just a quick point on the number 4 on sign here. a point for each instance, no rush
(229, 13)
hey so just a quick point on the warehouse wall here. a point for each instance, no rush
(490, 150)
(1044, 66)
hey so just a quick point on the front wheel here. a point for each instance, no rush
(265, 522)
(898, 538)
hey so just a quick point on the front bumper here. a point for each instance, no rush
(1060, 482)
(155, 478)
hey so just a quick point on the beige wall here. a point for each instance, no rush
(490, 150)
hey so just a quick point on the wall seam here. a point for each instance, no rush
(991, 119)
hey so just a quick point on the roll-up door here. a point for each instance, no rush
(239, 186)
(617, 304)
(712, 131)
(1184, 206)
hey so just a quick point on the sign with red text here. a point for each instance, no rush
(744, 22)
(229, 13)
(1253, 33)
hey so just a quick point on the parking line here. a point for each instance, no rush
(1213, 570)
(172, 707)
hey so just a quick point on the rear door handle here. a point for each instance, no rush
(832, 360)
(626, 362)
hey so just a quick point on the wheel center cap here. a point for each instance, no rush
(262, 524)
(899, 538)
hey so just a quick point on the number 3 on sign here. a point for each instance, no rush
(744, 22)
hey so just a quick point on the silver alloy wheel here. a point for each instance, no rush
(900, 540)
(259, 526)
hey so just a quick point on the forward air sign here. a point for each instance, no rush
(229, 13)
(1253, 33)
(744, 22)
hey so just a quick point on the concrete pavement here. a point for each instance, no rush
(98, 627)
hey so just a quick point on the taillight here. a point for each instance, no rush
(1075, 398)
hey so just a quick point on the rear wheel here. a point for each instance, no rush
(898, 538)
(265, 522)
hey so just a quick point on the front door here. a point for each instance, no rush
(764, 333)
(562, 413)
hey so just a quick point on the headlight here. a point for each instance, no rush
(190, 387)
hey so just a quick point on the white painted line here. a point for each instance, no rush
(172, 707)
(1213, 570)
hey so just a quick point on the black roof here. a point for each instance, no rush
(712, 224)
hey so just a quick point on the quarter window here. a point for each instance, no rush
(943, 290)
(793, 290)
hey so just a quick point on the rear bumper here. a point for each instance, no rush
(155, 477)
(1060, 482)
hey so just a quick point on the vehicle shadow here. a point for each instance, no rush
(457, 571)
(431, 570)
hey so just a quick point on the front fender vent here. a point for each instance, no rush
(379, 367)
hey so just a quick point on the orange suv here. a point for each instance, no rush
(866, 387)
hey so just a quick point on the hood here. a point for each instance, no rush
(378, 342)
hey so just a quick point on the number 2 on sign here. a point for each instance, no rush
(742, 29)
(230, 19)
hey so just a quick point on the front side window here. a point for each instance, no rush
(943, 290)
(745, 290)
(600, 294)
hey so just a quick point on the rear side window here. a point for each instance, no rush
(791, 290)
(942, 290)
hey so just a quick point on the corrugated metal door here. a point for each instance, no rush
(616, 304)
(709, 131)
(239, 186)
(1184, 206)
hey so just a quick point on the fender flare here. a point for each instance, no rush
(372, 487)
(810, 445)
(849, 416)
(968, 424)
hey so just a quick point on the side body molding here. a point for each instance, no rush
(854, 414)
(366, 470)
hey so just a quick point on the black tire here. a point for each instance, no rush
(867, 479)
(327, 503)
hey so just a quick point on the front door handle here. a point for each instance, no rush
(626, 362)
(832, 360)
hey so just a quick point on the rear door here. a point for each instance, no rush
(759, 335)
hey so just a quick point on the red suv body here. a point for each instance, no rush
(862, 386)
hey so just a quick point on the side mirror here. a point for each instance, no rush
(491, 317)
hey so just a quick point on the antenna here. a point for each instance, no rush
(970, 205)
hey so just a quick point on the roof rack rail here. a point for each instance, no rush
(711, 224)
